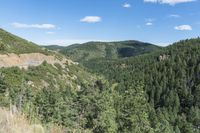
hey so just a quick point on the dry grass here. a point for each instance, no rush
(17, 123)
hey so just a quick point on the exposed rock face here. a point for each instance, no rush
(33, 59)
(163, 57)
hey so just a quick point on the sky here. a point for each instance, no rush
(64, 22)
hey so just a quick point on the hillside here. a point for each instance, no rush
(150, 93)
(15, 51)
(54, 90)
(44, 87)
(10, 43)
(171, 81)
(107, 50)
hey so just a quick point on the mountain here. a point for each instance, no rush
(44, 86)
(155, 92)
(171, 82)
(107, 50)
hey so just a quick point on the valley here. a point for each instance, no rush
(100, 66)
(155, 89)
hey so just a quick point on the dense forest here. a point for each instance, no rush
(152, 92)
(171, 83)
(107, 50)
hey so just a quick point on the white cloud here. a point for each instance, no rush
(174, 16)
(126, 5)
(170, 2)
(183, 27)
(37, 26)
(149, 21)
(149, 24)
(91, 19)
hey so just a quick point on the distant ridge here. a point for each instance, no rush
(107, 50)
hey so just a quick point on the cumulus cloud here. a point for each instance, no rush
(91, 19)
(126, 5)
(37, 26)
(183, 27)
(170, 2)
(149, 24)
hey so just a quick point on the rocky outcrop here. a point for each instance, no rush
(163, 57)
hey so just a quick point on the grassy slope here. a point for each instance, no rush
(10, 43)
(108, 50)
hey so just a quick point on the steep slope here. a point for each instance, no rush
(50, 87)
(10, 43)
(171, 77)
(67, 95)
(153, 92)
(106, 50)
(15, 51)
(25, 63)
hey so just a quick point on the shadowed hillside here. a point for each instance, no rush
(106, 50)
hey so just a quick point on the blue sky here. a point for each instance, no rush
(66, 22)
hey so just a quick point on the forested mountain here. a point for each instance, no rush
(171, 79)
(105, 50)
(155, 92)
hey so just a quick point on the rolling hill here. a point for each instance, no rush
(106, 50)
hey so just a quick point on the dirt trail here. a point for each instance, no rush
(32, 59)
